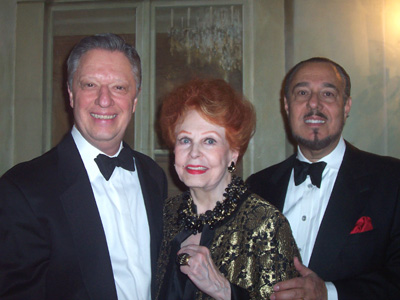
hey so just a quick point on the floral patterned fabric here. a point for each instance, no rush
(254, 248)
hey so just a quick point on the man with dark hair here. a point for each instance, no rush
(343, 204)
(83, 221)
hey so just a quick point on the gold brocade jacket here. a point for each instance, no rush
(254, 248)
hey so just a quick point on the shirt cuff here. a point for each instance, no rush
(332, 292)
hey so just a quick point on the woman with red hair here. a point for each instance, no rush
(220, 240)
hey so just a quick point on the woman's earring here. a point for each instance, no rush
(232, 167)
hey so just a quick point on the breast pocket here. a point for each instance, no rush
(363, 252)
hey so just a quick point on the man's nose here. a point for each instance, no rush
(314, 101)
(104, 98)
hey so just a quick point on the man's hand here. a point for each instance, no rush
(307, 287)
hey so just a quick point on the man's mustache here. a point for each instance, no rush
(316, 113)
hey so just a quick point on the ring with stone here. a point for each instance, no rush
(183, 259)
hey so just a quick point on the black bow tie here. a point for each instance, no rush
(107, 164)
(302, 169)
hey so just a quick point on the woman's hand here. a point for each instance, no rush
(203, 272)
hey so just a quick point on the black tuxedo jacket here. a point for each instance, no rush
(364, 265)
(52, 242)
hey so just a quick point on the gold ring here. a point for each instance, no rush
(183, 259)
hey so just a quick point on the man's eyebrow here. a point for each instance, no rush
(330, 85)
(325, 84)
(300, 84)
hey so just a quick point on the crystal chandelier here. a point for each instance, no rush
(210, 33)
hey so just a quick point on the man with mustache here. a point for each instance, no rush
(343, 204)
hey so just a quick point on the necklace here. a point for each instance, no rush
(191, 221)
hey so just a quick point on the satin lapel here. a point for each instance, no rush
(280, 180)
(85, 223)
(344, 207)
(153, 209)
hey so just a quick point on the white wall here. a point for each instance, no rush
(7, 63)
(362, 35)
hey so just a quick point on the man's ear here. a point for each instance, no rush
(286, 105)
(347, 108)
(136, 99)
(71, 97)
(134, 105)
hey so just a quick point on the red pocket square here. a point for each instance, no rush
(363, 224)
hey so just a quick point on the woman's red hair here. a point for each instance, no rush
(218, 103)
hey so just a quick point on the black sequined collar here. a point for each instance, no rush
(191, 221)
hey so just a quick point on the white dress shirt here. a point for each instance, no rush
(124, 218)
(305, 205)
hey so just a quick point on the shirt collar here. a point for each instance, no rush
(333, 159)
